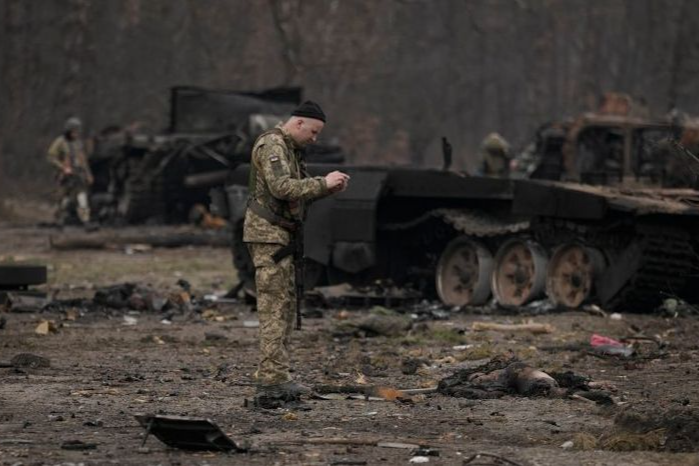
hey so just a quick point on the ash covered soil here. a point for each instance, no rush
(104, 371)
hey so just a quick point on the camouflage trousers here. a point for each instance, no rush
(276, 308)
(73, 201)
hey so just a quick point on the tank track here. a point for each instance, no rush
(667, 260)
(468, 222)
(429, 234)
(667, 257)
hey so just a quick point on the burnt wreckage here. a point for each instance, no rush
(579, 232)
(142, 177)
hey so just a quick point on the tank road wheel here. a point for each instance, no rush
(571, 274)
(463, 273)
(520, 272)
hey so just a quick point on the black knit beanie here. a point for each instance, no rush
(309, 109)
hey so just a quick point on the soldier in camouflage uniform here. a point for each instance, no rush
(280, 190)
(495, 156)
(67, 154)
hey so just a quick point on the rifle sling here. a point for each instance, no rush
(283, 252)
(271, 217)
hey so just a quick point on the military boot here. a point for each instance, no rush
(278, 395)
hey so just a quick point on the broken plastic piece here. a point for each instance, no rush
(187, 433)
(599, 340)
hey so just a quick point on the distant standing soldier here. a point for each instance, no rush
(495, 156)
(67, 154)
(280, 190)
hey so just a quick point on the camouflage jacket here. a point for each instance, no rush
(63, 153)
(280, 183)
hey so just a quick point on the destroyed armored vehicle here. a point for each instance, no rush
(159, 178)
(615, 146)
(614, 237)
(464, 239)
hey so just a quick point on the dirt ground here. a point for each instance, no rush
(104, 371)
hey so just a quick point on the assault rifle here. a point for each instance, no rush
(299, 275)
(295, 248)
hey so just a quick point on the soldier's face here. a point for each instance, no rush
(307, 131)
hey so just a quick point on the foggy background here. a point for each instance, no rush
(393, 76)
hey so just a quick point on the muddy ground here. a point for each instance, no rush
(104, 371)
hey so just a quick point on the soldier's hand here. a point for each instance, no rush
(337, 181)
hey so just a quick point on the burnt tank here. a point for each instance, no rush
(617, 236)
(143, 177)
(464, 239)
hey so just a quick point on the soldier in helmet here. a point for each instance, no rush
(67, 154)
(495, 156)
(280, 190)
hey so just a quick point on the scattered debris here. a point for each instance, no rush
(201, 217)
(131, 249)
(129, 320)
(594, 309)
(27, 360)
(500, 460)
(15, 441)
(357, 442)
(380, 322)
(543, 306)
(411, 365)
(77, 445)
(606, 346)
(163, 237)
(72, 314)
(526, 327)
(651, 427)
(361, 379)
(584, 441)
(130, 296)
(187, 433)
(45, 327)
(419, 459)
(599, 340)
(25, 301)
(95, 423)
(399, 445)
(630, 441)
(87, 393)
(425, 451)
(427, 310)
(213, 336)
(369, 393)
(378, 294)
